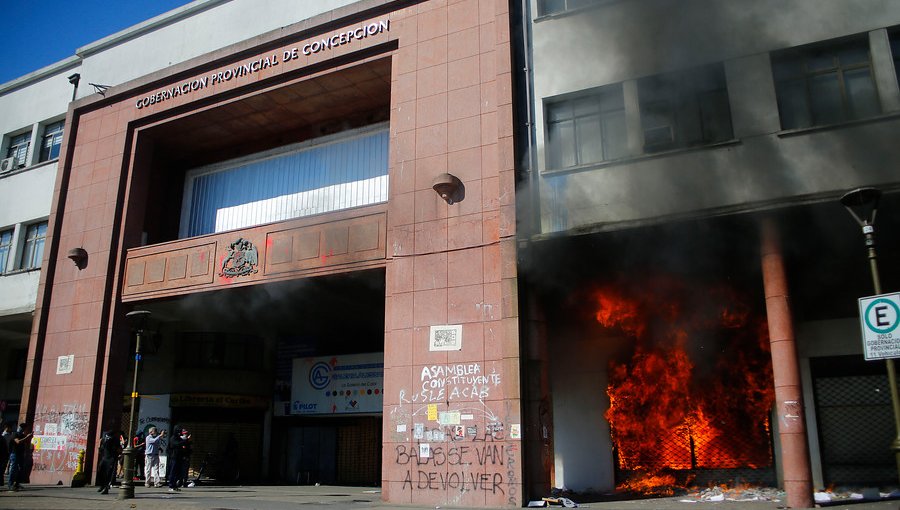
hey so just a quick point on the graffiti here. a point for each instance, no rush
(511, 474)
(65, 427)
(423, 474)
(444, 383)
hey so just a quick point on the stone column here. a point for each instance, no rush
(788, 393)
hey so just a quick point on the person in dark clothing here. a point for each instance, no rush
(20, 447)
(4, 450)
(109, 455)
(180, 449)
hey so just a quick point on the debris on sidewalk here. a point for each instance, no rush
(553, 501)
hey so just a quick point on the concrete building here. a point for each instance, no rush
(464, 250)
(686, 161)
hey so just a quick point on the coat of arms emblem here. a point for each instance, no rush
(241, 260)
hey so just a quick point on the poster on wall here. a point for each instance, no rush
(345, 384)
(154, 411)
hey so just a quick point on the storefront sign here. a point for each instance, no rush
(216, 400)
(261, 63)
(338, 384)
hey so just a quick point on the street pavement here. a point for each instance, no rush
(308, 497)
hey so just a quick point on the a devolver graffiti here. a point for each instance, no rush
(60, 432)
(465, 448)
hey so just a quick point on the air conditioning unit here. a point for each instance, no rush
(8, 164)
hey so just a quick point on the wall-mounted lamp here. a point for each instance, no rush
(79, 256)
(74, 79)
(449, 187)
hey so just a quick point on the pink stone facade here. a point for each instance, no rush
(452, 419)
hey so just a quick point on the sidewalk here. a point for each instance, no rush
(294, 497)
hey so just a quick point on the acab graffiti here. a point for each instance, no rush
(443, 383)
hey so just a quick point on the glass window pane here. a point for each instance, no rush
(820, 61)
(716, 117)
(330, 176)
(612, 100)
(793, 105)
(590, 141)
(51, 141)
(856, 54)
(585, 106)
(5, 246)
(558, 112)
(552, 6)
(825, 95)
(562, 144)
(861, 95)
(615, 141)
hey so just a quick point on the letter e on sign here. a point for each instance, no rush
(879, 318)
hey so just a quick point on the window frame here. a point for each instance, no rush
(685, 109)
(55, 137)
(568, 6)
(19, 143)
(598, 118)
(6, 248)
(33, 244)
(801, 57)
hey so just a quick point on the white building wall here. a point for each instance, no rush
(619, 42)
(198, 28)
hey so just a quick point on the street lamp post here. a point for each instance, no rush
(862, 203)
(139, 319)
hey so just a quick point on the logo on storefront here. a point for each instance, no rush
(319, 375)
(241, 260)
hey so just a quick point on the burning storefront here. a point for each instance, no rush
(661, 363)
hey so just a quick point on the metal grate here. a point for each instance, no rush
(855, 429)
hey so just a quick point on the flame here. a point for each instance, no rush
(697, 390)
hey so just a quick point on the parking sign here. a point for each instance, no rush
(879, 317)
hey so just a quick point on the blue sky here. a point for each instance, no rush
(39, 33)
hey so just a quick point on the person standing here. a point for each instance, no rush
(4, 450)
(109, 455)
(181, 447)
(151, 458)
(21, 446)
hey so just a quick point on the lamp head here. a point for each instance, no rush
(79, 256)
(448, 187)
(862, 204)
(138, 318)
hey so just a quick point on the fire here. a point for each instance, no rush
(697, 390)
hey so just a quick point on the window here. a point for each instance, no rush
(685, 109)
(825, 84)
(6, 237)
(18, 148)
(548, 7)
(587, 129)
(34, 246)
(51, 141)
(344, 171)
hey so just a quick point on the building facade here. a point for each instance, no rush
(464, 250)
(331, 129)
(686, 161)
